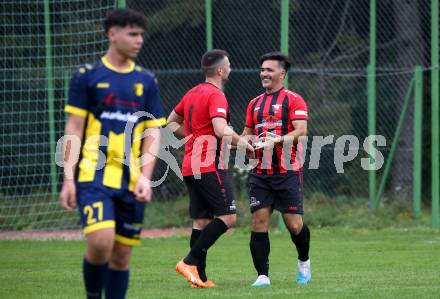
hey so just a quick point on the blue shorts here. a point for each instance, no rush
(104, 207)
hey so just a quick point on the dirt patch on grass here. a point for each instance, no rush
(78, 234)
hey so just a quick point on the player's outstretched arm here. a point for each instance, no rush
(247, 131)
(222, 129)
(72, 145)
(150, 150)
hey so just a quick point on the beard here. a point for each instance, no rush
(224, 80)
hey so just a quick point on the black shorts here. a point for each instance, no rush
(210, 195)
(284, 192)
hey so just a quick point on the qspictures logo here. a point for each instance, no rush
(345, 149)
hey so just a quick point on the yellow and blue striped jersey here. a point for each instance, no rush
(111, 101)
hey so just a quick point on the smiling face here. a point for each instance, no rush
(127, 40)
(272, 75)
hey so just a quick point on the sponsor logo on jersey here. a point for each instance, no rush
(270, 122)
(111, 99)
(118, 115)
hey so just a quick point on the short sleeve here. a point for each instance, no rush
(153, 106)
(180, 108)
(297, 108)
(77, 98)
(249, 116)
(218, 105)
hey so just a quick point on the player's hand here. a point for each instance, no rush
(243, 142)
(68, 196)
(270, 142)
(250, 151)
(142, 190)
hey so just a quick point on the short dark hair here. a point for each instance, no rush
(211, 58)
(124, 17)
(280, 57)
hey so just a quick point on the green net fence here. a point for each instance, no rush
(32, 98)
(328, 43)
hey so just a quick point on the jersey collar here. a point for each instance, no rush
(274, 91)
(209, 83)
(108, 65)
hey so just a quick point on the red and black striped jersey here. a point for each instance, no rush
(274, 113)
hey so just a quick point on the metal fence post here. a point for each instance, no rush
(435, 176)
(50, 97)
(208, 24)
(372, 99)
(418, 132)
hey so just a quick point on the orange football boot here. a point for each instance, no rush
(208, 284)
(190, 273)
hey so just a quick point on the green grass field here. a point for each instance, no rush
(346, 263)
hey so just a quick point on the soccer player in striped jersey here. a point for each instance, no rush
(203, 116)
(112, 103)
(278, 118)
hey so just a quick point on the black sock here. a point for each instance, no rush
(302, 243)
(117, 284)
(95, 277)
(207, 238)
(195, 234)
(260, 249)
